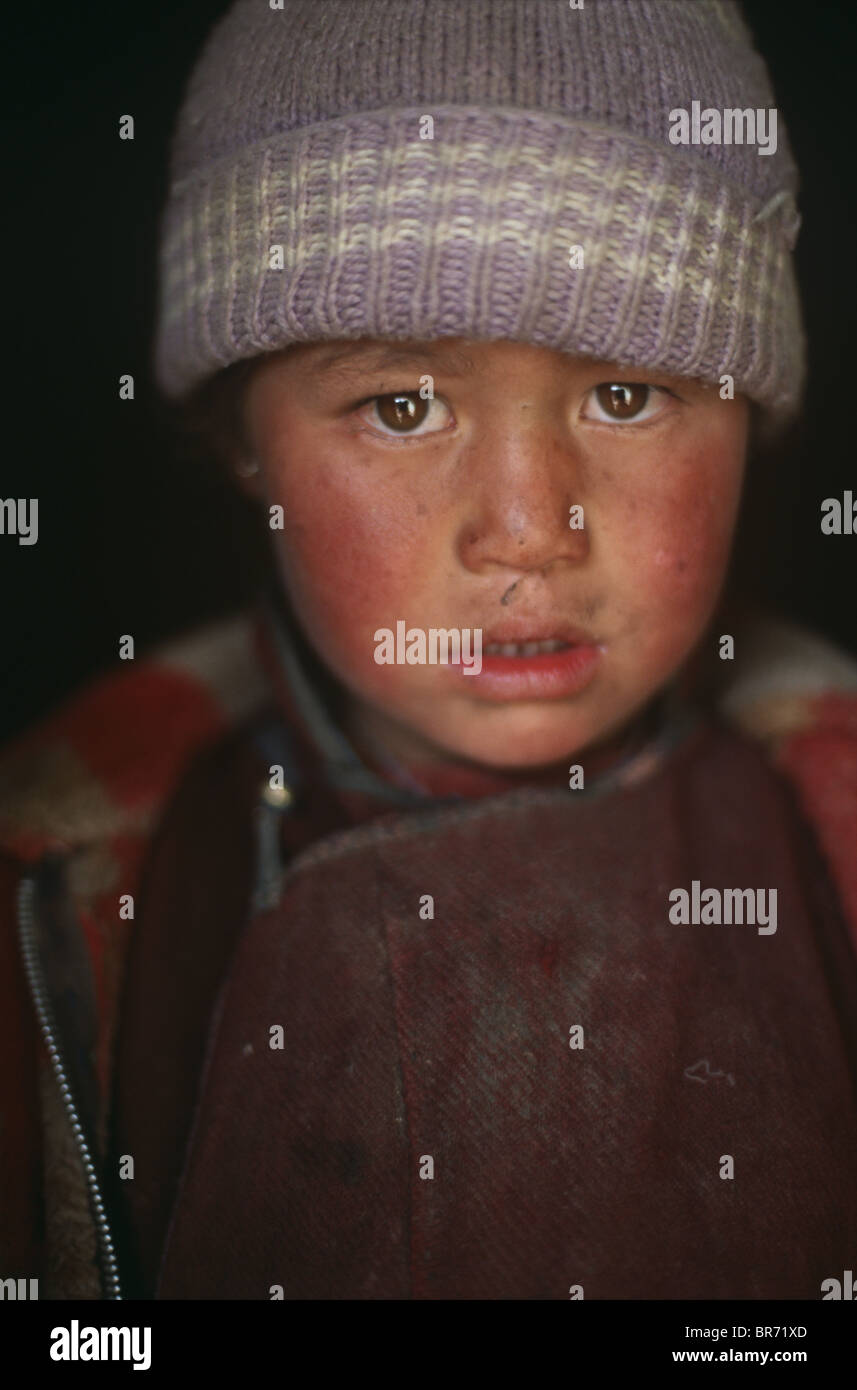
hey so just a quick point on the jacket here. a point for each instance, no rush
(83, 798)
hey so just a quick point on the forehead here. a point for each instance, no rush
(343, 361)
(378, 355)
(349, 358)
(454, 357)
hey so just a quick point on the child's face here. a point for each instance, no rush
(454, 513)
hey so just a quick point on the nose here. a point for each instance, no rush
(519, 486)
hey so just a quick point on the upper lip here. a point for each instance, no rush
(536, 630)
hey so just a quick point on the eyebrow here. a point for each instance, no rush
(354, 360)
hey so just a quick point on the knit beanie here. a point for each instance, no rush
(604, 177)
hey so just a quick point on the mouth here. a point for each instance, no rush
(532, 637)
(536, 661)
(533, 647)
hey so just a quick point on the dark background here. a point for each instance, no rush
(133, 539)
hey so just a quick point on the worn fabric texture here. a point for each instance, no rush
(119, 778)
(407, 1039)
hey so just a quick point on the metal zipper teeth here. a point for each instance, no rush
(26, 930)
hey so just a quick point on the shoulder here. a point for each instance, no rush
(795, 693)
(101, 767)
(87, 788)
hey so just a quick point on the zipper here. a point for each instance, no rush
(41, 1000)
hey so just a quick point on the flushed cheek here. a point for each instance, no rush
(685, 572)
(674, 571)
(350, 566)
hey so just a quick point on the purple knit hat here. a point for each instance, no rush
(417, 169)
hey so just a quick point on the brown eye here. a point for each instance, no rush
(622, 400)
(402, 412)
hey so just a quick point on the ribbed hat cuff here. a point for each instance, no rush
(470, 234)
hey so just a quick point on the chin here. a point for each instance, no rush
(510, 749)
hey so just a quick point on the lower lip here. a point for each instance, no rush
(548, 676)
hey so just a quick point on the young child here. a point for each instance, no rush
(475, 922)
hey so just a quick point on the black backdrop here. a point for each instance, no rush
(133, 540)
